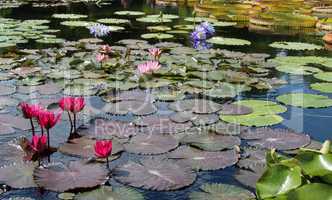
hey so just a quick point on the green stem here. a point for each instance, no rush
(74, 122)
(48, 144)
(71, 123)
(108, 165)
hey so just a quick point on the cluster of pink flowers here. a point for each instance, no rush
(72, 105)
(151, 66)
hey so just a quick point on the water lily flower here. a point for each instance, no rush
(99, 30)
(38, 143)
(30, 112)
(105, 49)
(100, 57)
(48, 120)
(155, 53)
(198, 34)
(103, 149)
(72, 105)
(208, 28)
(148, 67)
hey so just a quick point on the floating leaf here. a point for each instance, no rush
(223, 128)
(7, 90)
(70, 177)
(159, 174)
(151, 144)
(253, 159)
(18, 175)
(159, 36)
(311, 191)
(204, 160)
(69, 16)
(113, 21)
(233, 109)
(220, 191)
(295, 46)
(281, 139)
(264, 113)
(322, 87)
(324, 76)
(199, 106)
(210, 141)
(114, 193)
(228, 41)
(305, 100)
(130, 13)
(247, 178)
(135, 107)
(77, 23)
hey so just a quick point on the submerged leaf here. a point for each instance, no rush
(305, 100)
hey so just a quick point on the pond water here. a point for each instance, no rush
(312, 121)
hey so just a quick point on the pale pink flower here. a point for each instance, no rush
(155, 53)
(101, 57)
(148, 67)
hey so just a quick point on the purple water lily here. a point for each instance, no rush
(200, 34)
(208, 28)
(99, 30)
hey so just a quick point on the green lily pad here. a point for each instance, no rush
(200, 19)
(116, 28)
(113, 21)
(311, 191)
(155, 83)
(223, 24)
(158, 28)
(215, 191)
(77, 23)
(69, 16)
(153, 20)
(228, 41)
(305, 100)
(51, 41)
(114, 193)
(130, 13)
(295, 46)
(264, 113)
(322, 87)
(324, 76)
(159, 36)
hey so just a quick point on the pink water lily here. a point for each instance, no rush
(100, 57)
(38, 143)
(105, 49)
(30, 111)
(155, 53)
(103, 149)
(72, 105)
(148, 67)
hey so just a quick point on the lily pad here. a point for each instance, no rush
(18, 175)
(281, 139)
(69, 16)
(324, 76)
(305, 100)
(77, 23)
(159, 174)
(159, 36)
(209, 141)
(130, 13)
(204, 160)
(135, 107)
(71, 176)
(228, 41)
(233, 109)
(151, 144)
(114, 193)
(295, 46)
(7, 90)
(113, 21)
(153, 20)
(220, 191)
(322, 87)
(199, 106)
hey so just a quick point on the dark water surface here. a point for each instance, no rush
(315, 122)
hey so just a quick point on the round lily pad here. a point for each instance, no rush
(151, 144)
(199, 106)
(51, 41)
(322, 87)
(295, 46)
(114, 193)
(69, 16)
(84, 147)
(200, 19)
(130, 13)
(233, 109)
(324, 76)
(159, 174)
(113, 21)
(159, 28)
(281, 139)
(228, 41)
(116, 28)
(77, 23)
(18, 175)
(204, 160)
(135, 107)
(153, 20)
(247, 178)
(220, 191)
(159, 36)
(253, 159)
(7, 90)
(71, 176)
(223, 128)
(210, 141)
(264, 113)
(305, 100)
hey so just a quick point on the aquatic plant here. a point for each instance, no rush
(148, 67)
(72, 105)
(103, 149)
(99, 30)
(201, 33)
(155, 53)
(30, 112)
(38, 145)
(105, 49)
(101, 58)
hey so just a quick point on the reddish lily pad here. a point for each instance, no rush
(130, 96)
(199, 106)
(210, 141)
(151, 144)
(5, 129)
(49, 88)
(204, 160)
(11, 152)
(111, 193)
(253, 159)
(15, 121)
(247, 178)
(281, 139)
(233, 109)
(60, 178)
(135, 107)
(84, 147)
(106, 129)
(18, 175)
(7, 90)
(159, 174)
(161, 125)
(223, 128)
(197, 119)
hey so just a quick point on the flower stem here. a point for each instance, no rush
(71, 124)
(107, 161)
(42, 130)
(74, 122)
(32, 127)
(48, 144)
